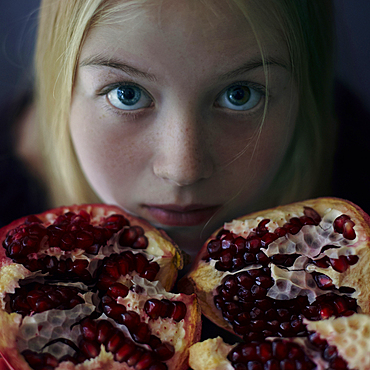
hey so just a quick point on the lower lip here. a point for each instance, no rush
(174, 218)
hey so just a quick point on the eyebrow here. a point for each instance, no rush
(102, 62)
(254, 64)
(99, 61)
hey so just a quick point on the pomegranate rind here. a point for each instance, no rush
(351, 336)
(203, 278)
(210, 354)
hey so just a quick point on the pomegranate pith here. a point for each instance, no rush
(74, 282)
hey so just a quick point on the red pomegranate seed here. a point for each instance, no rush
(135, 356)
(348, 230)
(141, 263)
(268, 238)
(114, 310)
(104, 331)
(111, 268)
(115, 222)
(125, 351)
(145, 361)
(141, 333)
(151, 271)
(279, 350)
(352, 259)
(84, 240)
(130, 319)
(340, 264)
(117, 290)
(326, 311)
(253, 245)
(310, 212)
(323, 281)
(89, 349)
(153, 308)
(339, 223)
(141, 242)
(115, 341)
(158, 366)
(89, 329)
(164, 351)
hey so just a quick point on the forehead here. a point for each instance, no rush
(190, 29)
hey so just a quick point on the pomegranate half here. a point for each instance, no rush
(86, 287)
(336, 343)
(266, 273)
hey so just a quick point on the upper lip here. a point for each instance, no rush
(181, 209)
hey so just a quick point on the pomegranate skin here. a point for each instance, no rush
(114, 253)
(331, 266)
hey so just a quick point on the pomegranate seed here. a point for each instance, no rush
(84, 240)
(135, 357)
(115, 341)
(89, 329)
(117, 290)
(89, 349)
(348, 230)
(164, 351)
(104, 331)
(130, 319)
(323, 281)
(141, 263)
(145, 361)
(339, 223)
(125, 351)
(326, 311)
(141, 242)
(279, 350)
(153, 308)
(340, 264)
(151, 271)
(310, 212)
(352, 259)
(141, 333)
(114, 310)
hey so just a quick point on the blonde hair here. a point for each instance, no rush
(306, 27)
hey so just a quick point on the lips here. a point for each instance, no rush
(174, 215)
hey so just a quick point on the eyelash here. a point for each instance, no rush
(134, 114)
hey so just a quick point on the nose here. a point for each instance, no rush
(183, 149)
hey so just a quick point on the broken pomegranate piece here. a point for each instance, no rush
(336, 343)
(268, 274)
(73, 285)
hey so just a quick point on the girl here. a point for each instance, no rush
(186, 113)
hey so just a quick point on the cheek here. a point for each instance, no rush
(110, 158)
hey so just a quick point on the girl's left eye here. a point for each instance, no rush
(129, 97)
(239, 97)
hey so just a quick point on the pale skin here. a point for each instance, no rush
(188, 154)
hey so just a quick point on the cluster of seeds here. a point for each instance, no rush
(29, 244)
(266, 355)
(36, 297)
(328, 353)
(165, 308)
(117, 265)
(244, 303)
(243, 296)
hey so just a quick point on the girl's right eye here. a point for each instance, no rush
(129, 97)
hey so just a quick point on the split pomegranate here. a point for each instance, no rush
(86, 287)
(267, 274)
(336, 343)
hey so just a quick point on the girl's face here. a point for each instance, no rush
(167, 111)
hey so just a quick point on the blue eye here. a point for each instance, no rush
(129, 97)
(239, 97)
